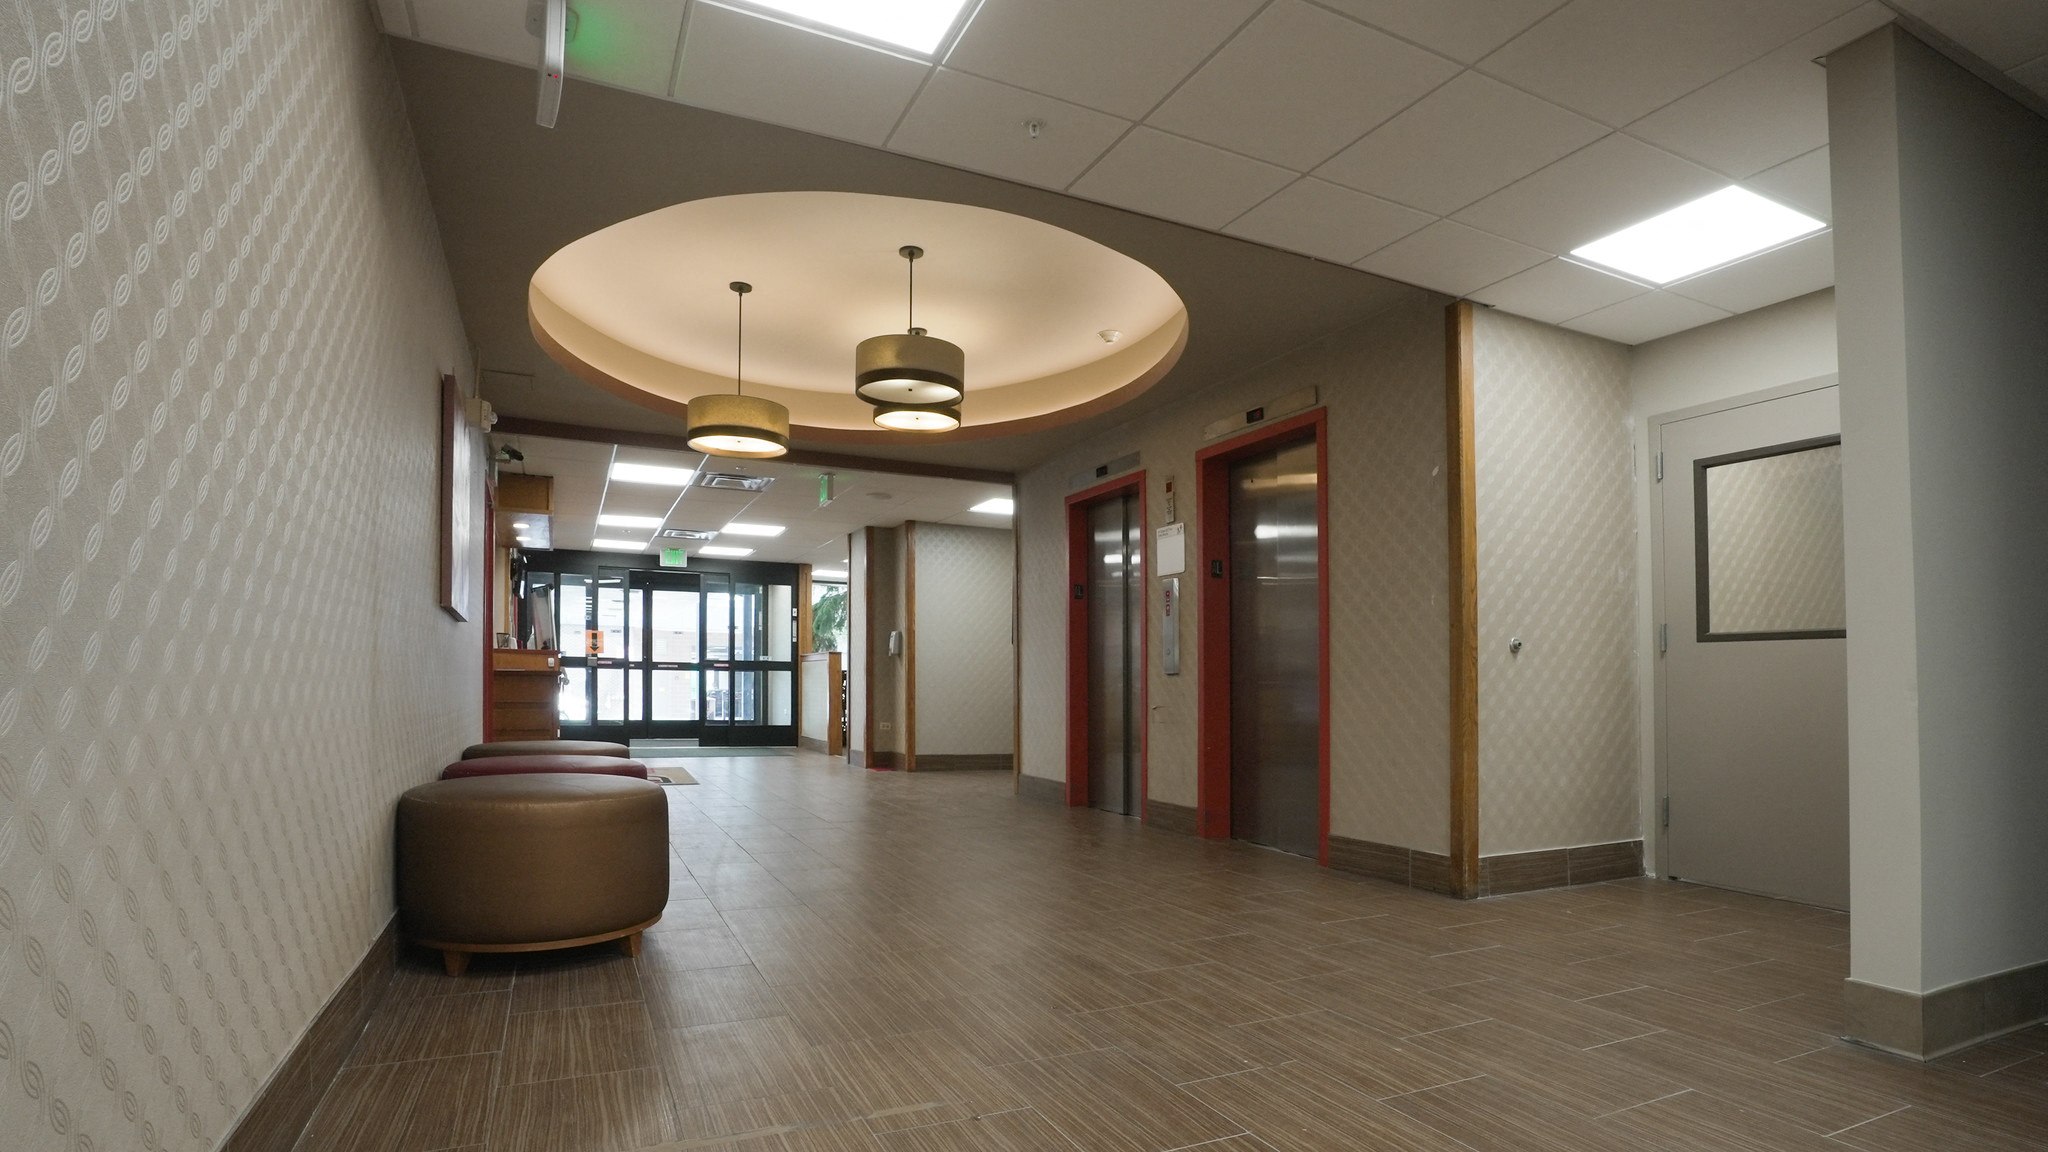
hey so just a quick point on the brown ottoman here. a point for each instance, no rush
(529, 862)
(524, 765)
(545, 748)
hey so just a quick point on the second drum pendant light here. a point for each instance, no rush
(914, 381)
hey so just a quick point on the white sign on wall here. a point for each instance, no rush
(1171, 551)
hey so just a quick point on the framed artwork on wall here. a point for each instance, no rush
(460, 576)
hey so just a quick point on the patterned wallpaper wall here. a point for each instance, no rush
(1383, 382)
(225, 312)
(1557, 723)
(1774, 543)
(966, 657)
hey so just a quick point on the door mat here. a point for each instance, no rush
(670, 776)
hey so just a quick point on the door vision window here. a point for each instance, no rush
(1768, 526)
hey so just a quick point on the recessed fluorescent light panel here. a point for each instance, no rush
(739, 528)
(651, 474)
(619, 520)
(919, 25)
(1710, 232)
(1000, 506)
(604, 545)
(722, 550)
(828, 573)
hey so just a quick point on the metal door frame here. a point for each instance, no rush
(1656, 850)
(1211, 584)
(1078, 552)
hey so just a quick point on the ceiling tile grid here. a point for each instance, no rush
(1436, 141)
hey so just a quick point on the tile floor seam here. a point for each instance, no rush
(1871, 1120)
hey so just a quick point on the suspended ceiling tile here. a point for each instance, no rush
(2006, 33)
(1330, 223)
(1471, 137)
(979, 124)
(626, 43)
(486, 28)
(1464, 30)
(1298, 84)
(2032, 76)
(749, 66)
(1122, 58)
(1556, 291)
(395, 18)
(1646, 317)
(1619, 60)
(1166, 176)
(1451, 258)
(1804, 183)
(1764, 113)
(1798, 268)
(1602, 188)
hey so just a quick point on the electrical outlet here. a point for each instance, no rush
(885, 725)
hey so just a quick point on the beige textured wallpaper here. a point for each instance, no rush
(966, 665)
(1774, 543)
(225, 312)
(1383, 383)
(1557, 723)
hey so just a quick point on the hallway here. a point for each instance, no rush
(882, 961)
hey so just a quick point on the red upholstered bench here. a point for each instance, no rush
(525, 765)
(544, 748)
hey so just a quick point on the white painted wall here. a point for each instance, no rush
(1940, 183)
(1756, 351)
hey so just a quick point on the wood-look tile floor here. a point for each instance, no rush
(878, 962)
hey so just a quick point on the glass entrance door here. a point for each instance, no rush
(672, 671)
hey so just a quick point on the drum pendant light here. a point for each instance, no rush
(915, 381)
(739, 425)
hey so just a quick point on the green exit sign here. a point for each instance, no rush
(674, 558)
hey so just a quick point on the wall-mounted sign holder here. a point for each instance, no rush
(1170, 552)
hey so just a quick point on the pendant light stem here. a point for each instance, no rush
(740, 288)
(910, 253)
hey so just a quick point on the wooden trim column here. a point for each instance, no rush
(1464, 599)
(910, 645)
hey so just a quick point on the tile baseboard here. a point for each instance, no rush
(1411, 867)
(879, 761)
(285, 1103)
(1167, 817)
(809, 744)
(994, 761)
(1040, 790)
(1929, 1025)
(1559, 867)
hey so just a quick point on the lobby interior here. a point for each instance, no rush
(1479, 587)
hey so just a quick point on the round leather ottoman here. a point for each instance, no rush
(529, 862)
(524, 765)
(544, 748)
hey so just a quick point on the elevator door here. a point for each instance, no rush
(1116, 611)
(1275, 724)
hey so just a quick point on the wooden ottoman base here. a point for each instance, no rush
(455, 957)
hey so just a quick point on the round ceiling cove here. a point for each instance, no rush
(642, 309)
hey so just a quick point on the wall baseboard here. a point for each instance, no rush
(1929, 1025)
(965, 762)
(879, 761)
(1040, 790)
(809, 744)
(1170, 817)
(1412, 867)
(1559, 867)
(286, 1102)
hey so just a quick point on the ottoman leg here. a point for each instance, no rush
(455, 962)
(630, 944)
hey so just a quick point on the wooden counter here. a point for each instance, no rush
(525, 689)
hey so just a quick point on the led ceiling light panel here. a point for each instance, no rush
(651, 474)
(740, 528)
(618, 545)
(1711, 232)
(722, 550)
(828, 573)
(919, 25)
(620, 520)
(1000, 506)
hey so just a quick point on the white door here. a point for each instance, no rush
(1755, 679)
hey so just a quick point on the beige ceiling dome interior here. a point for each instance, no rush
(1055, 326)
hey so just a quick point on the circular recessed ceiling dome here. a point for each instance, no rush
(641, 308)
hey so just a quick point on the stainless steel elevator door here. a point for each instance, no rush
(1115, 615)
(1275, 724)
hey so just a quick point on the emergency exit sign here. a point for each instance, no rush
(674, 558)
